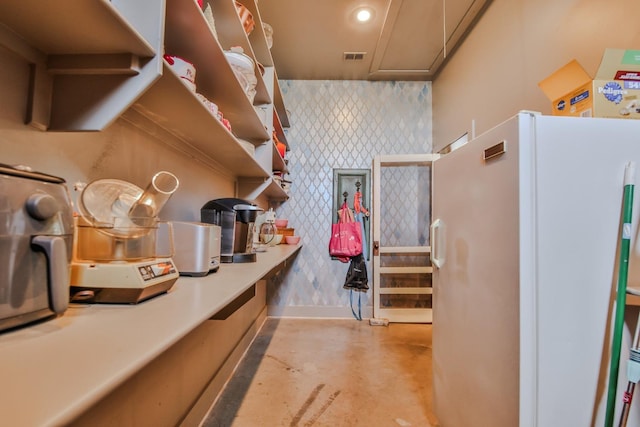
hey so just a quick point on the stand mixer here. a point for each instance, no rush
(267, 230)
(119, 256)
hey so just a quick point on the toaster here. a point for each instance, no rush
(36, 237)
(196, 248)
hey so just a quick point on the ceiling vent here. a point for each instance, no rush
(354, 56)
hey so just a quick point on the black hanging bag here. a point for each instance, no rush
(357, 275)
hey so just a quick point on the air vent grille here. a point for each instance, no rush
(354, 56)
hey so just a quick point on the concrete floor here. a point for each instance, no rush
(319, 372)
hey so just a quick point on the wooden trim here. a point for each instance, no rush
(235, 305)
(94, 64)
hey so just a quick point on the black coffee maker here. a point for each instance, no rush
(236, 218)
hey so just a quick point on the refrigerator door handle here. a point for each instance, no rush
(438, 248)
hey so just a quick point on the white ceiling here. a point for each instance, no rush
(403, 41)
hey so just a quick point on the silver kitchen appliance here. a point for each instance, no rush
(236, 218)
(116, 250)
(36, 233)
(197, 247)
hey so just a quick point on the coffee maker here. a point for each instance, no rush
(236, 218)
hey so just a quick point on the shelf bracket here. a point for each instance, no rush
(94, 64)
(40, 85)
(39, 97)
(250, 189)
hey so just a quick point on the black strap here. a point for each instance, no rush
(358, 316)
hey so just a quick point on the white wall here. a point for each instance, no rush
(517, 43)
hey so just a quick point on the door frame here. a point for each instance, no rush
(399, 315)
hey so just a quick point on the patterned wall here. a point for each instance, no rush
(338, 124)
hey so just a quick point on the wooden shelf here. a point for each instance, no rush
(279, 104)
(85, 72)
(258, 42)
(172, 106)
(257, 37)
(188, 36)
(417, 250)
(251, 189)
(88, 72)
(633, 300)
(277, 126)
(76, 26)
(278, 163)
(275, 192)
(231, 33)
(262, 53)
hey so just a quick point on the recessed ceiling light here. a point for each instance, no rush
(364, 15)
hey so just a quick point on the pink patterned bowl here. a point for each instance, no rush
(292, 240)
(282, 223)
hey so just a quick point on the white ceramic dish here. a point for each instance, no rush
(244, 69)
(212, 107)
(184, 69)
(268, 33)
(271, 239)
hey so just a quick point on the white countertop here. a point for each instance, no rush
(48, 370)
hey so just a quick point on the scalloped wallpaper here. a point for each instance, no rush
(340, 124)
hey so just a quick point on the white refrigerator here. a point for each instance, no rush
(525, 232)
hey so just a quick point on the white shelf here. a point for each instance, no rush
(277, 126)
(405, 249)
(406, 270)
(74, 27)
(100, 60)
(59, 368)
(231, 33)
(279, 104)
(276, 192)
(251, 189)
(188, 36)
(405, 291)
(88, 70)
(263, 54)
(257, 37)
(278, 163)
(171, 105)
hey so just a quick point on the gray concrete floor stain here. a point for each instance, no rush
(330, 373)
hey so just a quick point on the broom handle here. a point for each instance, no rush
(627, 209)
(632, 373)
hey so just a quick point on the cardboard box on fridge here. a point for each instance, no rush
(614, 92)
